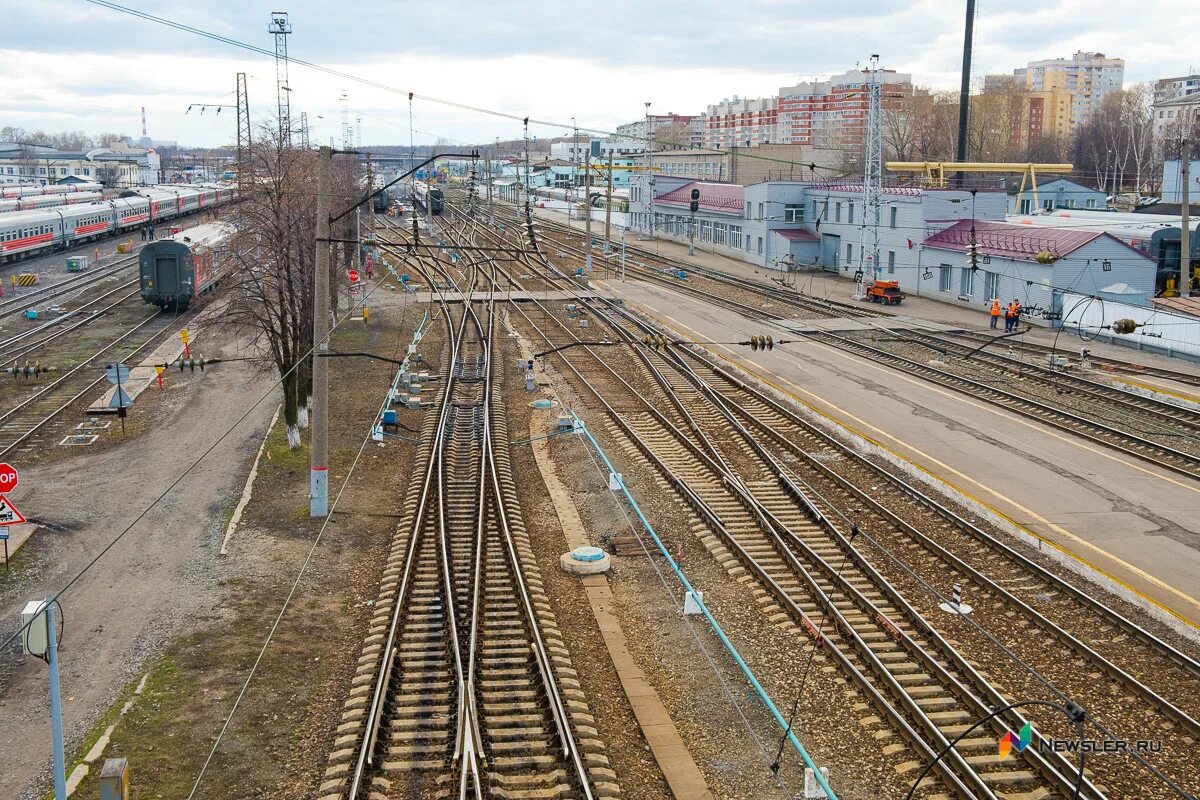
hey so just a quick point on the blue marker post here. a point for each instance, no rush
(712, 622)
(56, 730)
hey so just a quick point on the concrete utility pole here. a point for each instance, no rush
(1185, 230)
(608, 203)
(318, 481)
(650, 164)
(587, 208)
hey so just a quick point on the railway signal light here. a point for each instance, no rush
(694, 205)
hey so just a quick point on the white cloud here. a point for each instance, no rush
(599, 63)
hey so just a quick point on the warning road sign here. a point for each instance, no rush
(9, 514)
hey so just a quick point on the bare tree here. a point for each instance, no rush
(676, 136)
(270, 260)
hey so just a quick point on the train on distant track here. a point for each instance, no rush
(430, 197)
(177, 270)
(382, 202)
(47, 200)
(43, 230)
(57, 188)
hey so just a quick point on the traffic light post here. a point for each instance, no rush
(693, 206)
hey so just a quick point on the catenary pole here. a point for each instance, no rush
(608, 202)
(319, 472)
(56, 729)
(1185, 230)
(587, 207)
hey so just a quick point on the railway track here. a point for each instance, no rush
(20, 302)
(1116, 428)
(465, 689)
(774, 527)
(22, 426)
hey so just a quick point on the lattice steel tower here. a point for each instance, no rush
(868, 242)
(347, 134)
(281, 28)
(304, 143)
(243, 134)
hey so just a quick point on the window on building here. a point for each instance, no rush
(1048, 205)
(705, 231)
(849, 253)
(719, 233)
(815, 215)
(42, 171)
(760, 249)
(735, 236)
(966, 282)
(1091, 203)
(1026, 205)
(991, 285)
(891, 262)
(892, 217)
(944, 278)
(837, 212)
(793, 213)
(760, 210)
(747, 210)
(850, 214)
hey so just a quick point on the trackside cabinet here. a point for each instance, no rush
(114, 779)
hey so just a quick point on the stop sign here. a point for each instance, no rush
(352, 275)
(8, 478)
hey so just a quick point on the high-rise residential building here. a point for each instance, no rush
(740, 122)
(832, 114)
(829, 114)
(1086, 76)
(1175, 100)
(693, 122)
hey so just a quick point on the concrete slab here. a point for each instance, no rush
(1103, 508)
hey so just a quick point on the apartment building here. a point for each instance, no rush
(1175, 100)
(832, 114)
(1086, 76)
(741, 122)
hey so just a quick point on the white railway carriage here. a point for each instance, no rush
(23, 232)
(58, 188)
(47, 200)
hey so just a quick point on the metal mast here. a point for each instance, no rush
(344, 100)
(281, 28)
(243, 135)
(358, 130)
(868, 239)
(304, 130)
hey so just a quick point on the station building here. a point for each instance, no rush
(923, 239)
(1057, 193)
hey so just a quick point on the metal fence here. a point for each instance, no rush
(1162, 331)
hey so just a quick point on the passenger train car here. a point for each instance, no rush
(25, 233)
(58, 188)
(47, 200)
(428, 196)
(177, 270)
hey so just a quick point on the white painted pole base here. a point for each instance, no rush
(318, 485)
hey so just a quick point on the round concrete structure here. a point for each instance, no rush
(585, 560)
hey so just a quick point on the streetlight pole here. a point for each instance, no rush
(650, 163)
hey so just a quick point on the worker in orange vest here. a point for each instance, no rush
(995, 311)
(1011, 315)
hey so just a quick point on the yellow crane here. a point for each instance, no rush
(935, 171)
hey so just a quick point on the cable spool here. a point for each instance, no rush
(1046, 257)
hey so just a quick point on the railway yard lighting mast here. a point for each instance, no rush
(281, 28)
(868, 231)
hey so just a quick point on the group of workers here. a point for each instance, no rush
(1012, 314)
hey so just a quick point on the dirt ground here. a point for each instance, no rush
(163, 603)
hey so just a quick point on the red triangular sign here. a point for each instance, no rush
(9, 514)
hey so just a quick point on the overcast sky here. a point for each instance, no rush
(68, 64)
